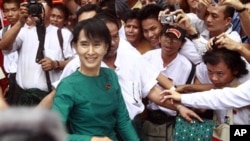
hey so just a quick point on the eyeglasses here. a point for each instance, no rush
(168, 38)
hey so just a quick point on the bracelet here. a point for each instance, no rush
(241, 10)
(57, 65)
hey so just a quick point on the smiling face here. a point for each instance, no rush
(220, 74)
(151, 28)
(91, 52)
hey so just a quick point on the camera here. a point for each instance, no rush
(35, 8)
(168, 19)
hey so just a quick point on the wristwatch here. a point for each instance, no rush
(57, 65)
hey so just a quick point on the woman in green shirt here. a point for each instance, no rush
(90, 99)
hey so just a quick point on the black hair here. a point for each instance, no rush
(132, 14)
(106, 17)
(49, 3)
(93, 28)
(63, 8)
(107, 4)
(18, 2)
(231, 58)
(150, 11)
(229, 12)
(88, 8)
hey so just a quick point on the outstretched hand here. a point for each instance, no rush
(169, 94)
(188, 114)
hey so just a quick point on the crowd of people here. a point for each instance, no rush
(109, 68)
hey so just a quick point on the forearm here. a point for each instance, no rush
(197, 87)
(10, 36)
(244, 50)
(63, 63)
(245, 22)
(154, 96)
(48, 100)
(164, 81)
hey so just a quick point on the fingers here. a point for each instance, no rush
(193, 115)
(166, 97)
(161, 13)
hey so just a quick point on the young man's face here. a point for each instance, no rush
(11, 12)
(170, 45)
(151, 30)
(220, 74)
(57, 18)
(114, 32)
(133, 30)
(215, 19)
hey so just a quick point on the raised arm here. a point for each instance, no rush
(243, 12)
(10, 35)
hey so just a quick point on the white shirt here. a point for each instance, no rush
(222, 99)
(202, 41)
(242, 115)
(136, 77)
(177, 70)
(10, 59)
(30, 74)
(189, 51)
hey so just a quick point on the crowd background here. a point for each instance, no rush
(183, 46)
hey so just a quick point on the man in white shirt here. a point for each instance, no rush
(219, 99)
(152, 27)
(11, 12)
(225, 68)
(216, 21)
(31, 74)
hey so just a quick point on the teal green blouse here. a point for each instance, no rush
(93, 106)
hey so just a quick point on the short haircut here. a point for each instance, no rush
(132, 14)
(49, 3)
(63, 8)
(107, 17)
(88, 8)
(150, 11)
(94, 29)
(18, 2)
(229, 12)
(231, 58)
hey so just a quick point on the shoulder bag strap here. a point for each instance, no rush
(41, 30)
(191, 75)
(60, 38)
